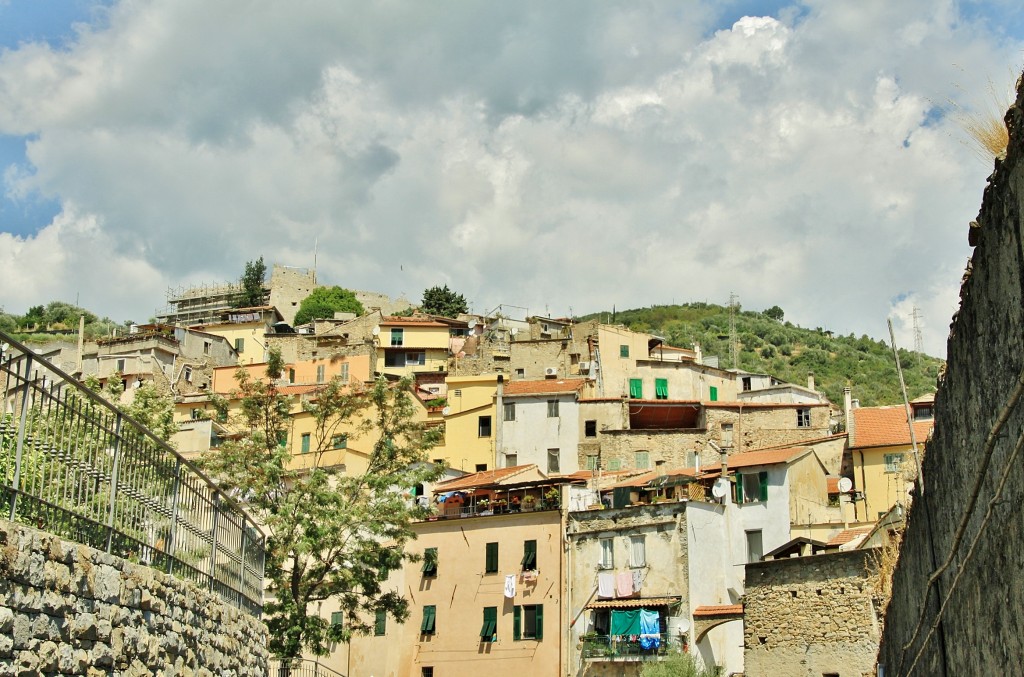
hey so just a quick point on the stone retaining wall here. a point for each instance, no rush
(67, 609)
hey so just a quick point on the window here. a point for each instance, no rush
(187, 374)
(429, 622)
(429, 567)
(457, 393)
(923, 412)
(590, 428)
(239, 345)
(607, 553)
(206, 347)
(661, 388)
(489, 630)
(483, 426)
(636, 388)
(509, 411)
(746, 383)
(282, 438)
(893, 462)
(320, 373)
(481, 467)
(552, 408)
(120, 364)
(291, 375)
(491, 559)
(339, 441)
(643, 460)
(338, 618)
(752, 488)
(713, 393)
(726, 435)
(197, 414)
(528, 621)
(637, 551)
(529, 555)
(380, 622)
(415, 359)
(615, 464)
(592, 462)
(305, 443)
(520, 373)
(803, 417)
(755, 548)
(553, 464)
(394, 359)
(427, 671)
(344, 371)
(397, 337)
(511, 460)
(623, 350)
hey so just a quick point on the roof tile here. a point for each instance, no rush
(885, 427)
(543, 387)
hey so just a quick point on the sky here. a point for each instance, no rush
(565, 157)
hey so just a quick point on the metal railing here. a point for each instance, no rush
(625, 647)
(299, 667)
(78, 467)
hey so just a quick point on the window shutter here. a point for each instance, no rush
(714, 393)
(540, 622)
(517, 620)
(763, 480)
(661, 388)
(636, 388)
(738, 486)
(492, 558)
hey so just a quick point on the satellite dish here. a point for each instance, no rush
(472, 324)
(446, 411)
(720, 488)
(845, 485)
(375, 331)
(684, 624)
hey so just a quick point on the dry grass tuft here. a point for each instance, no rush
(882, 567)
(986, 130)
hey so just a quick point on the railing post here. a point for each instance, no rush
(113, 483)
(241, 564)
(213, 540)
(172, 538)
(16, 481)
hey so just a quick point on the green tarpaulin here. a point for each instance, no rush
(625, 622)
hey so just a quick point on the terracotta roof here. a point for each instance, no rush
(847, 535)
(633, 603)
(543, 387)
(769, 457)
(886, 427)
(833, 484)
(411, 322)
(300, 389)
(641, 480)
(718, 609)
(479, 479)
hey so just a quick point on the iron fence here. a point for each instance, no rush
(625, 647)
(299, 667)
(78, 467)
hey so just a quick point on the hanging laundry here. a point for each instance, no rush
(510, 586)
(606, 584)
(650, 629)
(638, 580)
(624, 584)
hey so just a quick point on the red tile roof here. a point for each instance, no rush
(632, 603)
(768, 457)
(833, 484)
(847, 535)
(479, 479)
(886, 427)
(718, 609)
(411, 322)
(543, 387)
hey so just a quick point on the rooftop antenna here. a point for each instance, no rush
(918, 341)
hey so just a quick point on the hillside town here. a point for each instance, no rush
(605, 500)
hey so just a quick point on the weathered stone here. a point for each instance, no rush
(6, 620)
(102, 655)
(48, 656)
(84, 627)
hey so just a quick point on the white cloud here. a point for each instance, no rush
(547, 155)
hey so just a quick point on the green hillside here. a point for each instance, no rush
(767, 344)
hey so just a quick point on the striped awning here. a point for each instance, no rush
(633, 603)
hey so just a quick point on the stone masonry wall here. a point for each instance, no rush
(981, 631)
(810, 616)
(66, 609)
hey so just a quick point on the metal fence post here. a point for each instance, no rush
(172, 538)
(213, 540)
(113, 483)
(16, 481)
(241, 566)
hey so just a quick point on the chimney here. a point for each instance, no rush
(848, 411)
(810, 381)
(698, 354)
(725, 462)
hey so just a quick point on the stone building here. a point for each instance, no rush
(811, 616)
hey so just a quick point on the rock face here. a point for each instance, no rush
(66, 609)
(981, 630)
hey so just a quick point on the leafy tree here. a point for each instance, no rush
(252, 284)
(35, 315)
(443, 301)
(774, 313)
(323, 302)
(332, 535)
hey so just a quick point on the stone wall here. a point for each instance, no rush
(66, 609)
(982, 629)
(811, 616)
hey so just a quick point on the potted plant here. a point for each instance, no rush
(552, 497)
(528, 503)
(500, 504)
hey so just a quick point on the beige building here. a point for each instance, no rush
(245, 329)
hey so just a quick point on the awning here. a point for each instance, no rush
(633, 603)
(718, 610)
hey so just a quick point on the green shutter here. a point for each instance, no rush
(636, 388)
(429, 619)
(492, 558)
(429, 567)
(380, 622)
(623, 350)
(517, 620)
(490, 626)
(738, 487)
(661, 388)
(540, 622)
(338, 618)
(762, 478)
(305, 443)
(529, 555)
(714, 393)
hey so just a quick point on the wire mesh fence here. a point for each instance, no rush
(78, 467)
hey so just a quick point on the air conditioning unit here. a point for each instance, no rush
(551, 371)
(584, 367)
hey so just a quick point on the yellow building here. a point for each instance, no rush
(410, 345)
(469, 422)
(882, 455)
(245, 329)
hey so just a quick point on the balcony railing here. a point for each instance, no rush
(78, 467)
(621, 648)
(299, 667)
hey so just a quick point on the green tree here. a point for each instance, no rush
(332, 535)
(774, 313)
(252, 284)
(323, 302)
(443, 301)
(677, 665)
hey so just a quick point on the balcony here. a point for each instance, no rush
(621, 649)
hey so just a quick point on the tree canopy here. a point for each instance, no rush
(253, 278)
(323, 302)
(443, 301)
(333, 535)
